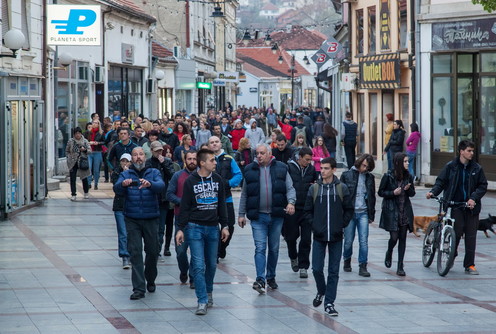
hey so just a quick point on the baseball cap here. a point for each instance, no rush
(155, 146)
(126, 156)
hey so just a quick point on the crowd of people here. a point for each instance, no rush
(175, 175)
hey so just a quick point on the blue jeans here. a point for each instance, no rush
(203, 244)
(411, 162)
(95, 160)
(329, 290)
(359, 222)
(389, 156)
(121, 233)
(182, 253)
(266, 229)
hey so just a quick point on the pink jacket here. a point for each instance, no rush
(412, 142)
(318, 154)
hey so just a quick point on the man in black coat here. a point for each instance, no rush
(296, 226)
(283, 152)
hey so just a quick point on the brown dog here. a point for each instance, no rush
(422, 222)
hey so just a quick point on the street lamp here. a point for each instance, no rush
(293, 70)
(13, 40)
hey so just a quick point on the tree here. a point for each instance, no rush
(488, 5)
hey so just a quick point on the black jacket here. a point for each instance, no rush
(170, 139)
(396, 141)
(118, 204)
(390, 209)
(350, 178)
(283, 156)
(166, 169)
(302, 180)
(449, 182)
(328, 213)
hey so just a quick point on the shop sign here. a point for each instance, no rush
(220, 83)
(473, 34)
(385, 25)
(127, 53)
(73, 25)
(203, 85)
(253, 89)
(380, 72)
(228, 76)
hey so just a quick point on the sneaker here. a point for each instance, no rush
(137, 295)
(471, 270)
(183, 277)
(73, 198)
(318, 300)
(86, 196)
(210, 302)
(303, 273)
(259, 286)
(272, 283)
(201, 309)
(160, 258)
(125, 263)
(294, 265)
(330, 310)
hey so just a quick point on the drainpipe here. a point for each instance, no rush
(416, 81)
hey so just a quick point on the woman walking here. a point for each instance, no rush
(397, 214)
(396, 142)
(320, 152)
(95, 158)
(77, 147)
(411, 148)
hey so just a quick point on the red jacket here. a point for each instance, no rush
(236, 136)
(286, 129)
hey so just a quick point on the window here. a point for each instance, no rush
(125, 90)
(24, 24)
(372, 31)
(5, 17)
(359, 31)
(373, 124)
(402, 24)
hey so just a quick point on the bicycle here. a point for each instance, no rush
(440, 236)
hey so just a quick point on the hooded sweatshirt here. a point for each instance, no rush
(203, 201)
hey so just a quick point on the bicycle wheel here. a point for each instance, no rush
(428, 246)
(446, 254)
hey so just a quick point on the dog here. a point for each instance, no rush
(487, 224)
(422, 222)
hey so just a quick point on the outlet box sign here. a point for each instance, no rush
(73, 25)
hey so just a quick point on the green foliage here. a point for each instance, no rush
(488, 5)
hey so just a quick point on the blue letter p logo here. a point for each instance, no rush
(77, 18)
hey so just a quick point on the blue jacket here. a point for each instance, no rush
(141, 203)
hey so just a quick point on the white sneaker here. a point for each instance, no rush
(86, 196)
(73, 198)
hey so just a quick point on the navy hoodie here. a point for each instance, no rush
(203, 201)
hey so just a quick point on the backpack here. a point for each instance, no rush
(339, 188)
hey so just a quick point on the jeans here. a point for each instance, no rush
(121, 233)
(349, 150)
(359, 222)
(329, 290)
(73, 176)
(203, 244)
(266, 229)
(95, 160)
(296, 226)
(411, 162)
(139, 230)
(182, 253)
(105, 167)
(389, 156)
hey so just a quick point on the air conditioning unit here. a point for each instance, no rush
(151, 86)
(99, 74)
(177, 52)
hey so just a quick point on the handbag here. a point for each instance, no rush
(83, 163)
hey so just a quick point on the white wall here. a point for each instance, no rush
(245, 97)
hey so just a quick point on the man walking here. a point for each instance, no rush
(225, 142)
(231, 175)
(463, 180)
(203, 208)
(174, 194)
(283, 152)
(124, 145)
(361, 185)
(328, 209)
(141, 185)
(296, 226)
(349, 139)
(267, 195)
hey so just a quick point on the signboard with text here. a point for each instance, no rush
(228, 76)
(380, 72)
(464, 35)
(385, 25)
(73, 25)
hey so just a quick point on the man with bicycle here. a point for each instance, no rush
(463, 180)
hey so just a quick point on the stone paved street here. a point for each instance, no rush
(60, 273)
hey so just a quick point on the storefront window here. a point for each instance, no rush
(372, 33)
(83, 113)
(465, 108)
(465, 63)
(488, 62)
(125, 91)
(441, 64)
(405, 111)
(387, 108)
(488, 116)
(442, 122)
(373, 123)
